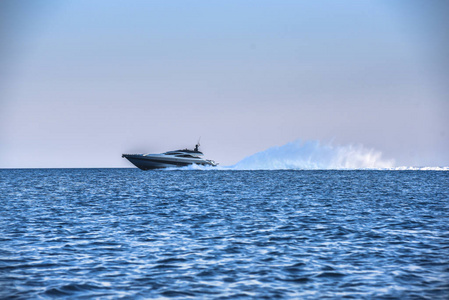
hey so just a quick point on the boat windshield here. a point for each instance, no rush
(183, 152)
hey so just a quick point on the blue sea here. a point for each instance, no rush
(223, 234)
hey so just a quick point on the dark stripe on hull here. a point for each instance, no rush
(151, 164)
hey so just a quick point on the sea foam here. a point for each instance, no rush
(314, 155)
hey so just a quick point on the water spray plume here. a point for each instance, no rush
(316, 155)
(299, 155)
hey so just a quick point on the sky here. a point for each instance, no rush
(82, 82)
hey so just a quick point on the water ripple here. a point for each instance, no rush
(110, 233)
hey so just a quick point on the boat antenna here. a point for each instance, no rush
(197, 145)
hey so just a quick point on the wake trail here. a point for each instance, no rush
(315, 155)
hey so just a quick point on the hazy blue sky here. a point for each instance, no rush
(83, 81)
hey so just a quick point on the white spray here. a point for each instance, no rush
(299, 155)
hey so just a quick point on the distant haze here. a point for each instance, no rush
(82, 82)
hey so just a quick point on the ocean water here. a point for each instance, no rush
(224, 234)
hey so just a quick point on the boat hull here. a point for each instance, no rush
(151, 163)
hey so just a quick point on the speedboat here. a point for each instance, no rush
(170, 159)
